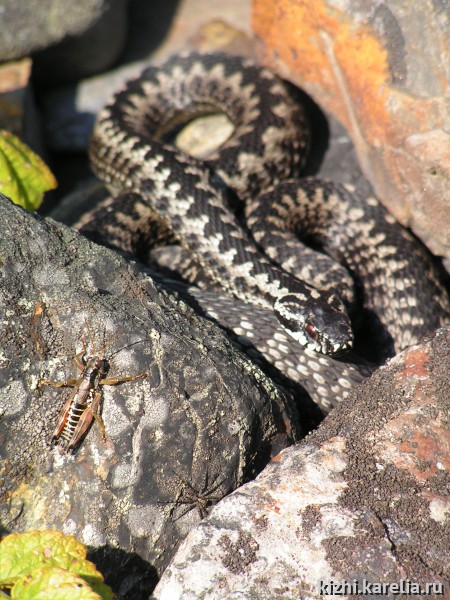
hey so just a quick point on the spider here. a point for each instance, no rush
(202, 499)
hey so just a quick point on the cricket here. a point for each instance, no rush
(83, 405)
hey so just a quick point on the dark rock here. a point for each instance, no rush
(363, 498)
(82, 55)
(69, 110)
(85, 37)
(202, 421)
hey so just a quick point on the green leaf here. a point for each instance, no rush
(22, 553)
(24, 176)
(51, 583)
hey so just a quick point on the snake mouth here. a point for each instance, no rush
(323, 345)
(336, 350)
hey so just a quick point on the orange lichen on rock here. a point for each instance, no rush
(415, 363)
(364, 66)
(414, 440)
(326, 49)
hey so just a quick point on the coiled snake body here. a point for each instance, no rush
(130, 152)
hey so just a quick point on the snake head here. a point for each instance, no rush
(322, 326)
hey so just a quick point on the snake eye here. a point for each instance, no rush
(311, 331)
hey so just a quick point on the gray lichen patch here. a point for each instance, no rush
(13, 398)
(145, 521)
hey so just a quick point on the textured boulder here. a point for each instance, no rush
(200, 423)
(90, 35)
(383, 70)
(363, 499)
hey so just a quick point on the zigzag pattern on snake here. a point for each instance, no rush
(168, 194)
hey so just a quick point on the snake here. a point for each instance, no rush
(242, 212)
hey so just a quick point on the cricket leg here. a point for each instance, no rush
(94, 411)
(117, 380)
(69, 382)
(58, 384)
(78, 358)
